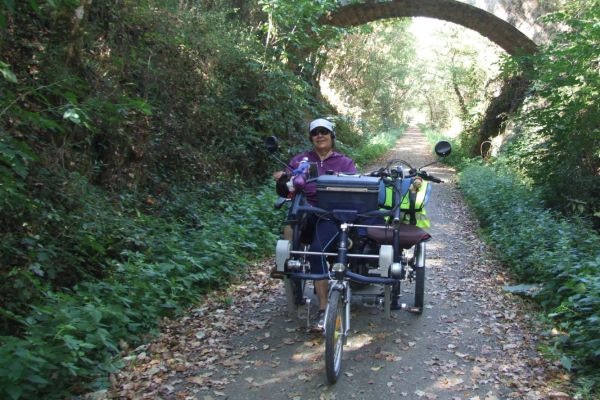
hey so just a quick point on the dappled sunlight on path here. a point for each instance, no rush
(473, 341)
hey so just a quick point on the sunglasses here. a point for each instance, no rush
(321, 132)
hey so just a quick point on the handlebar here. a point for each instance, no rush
(299, 178)
(280, 202)
(428, 177)
(399, 172)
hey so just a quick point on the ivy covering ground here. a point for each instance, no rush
(541, 247)
(159, 257)
(71, 338)
(131, 171)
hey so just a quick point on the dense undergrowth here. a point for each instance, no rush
(537, 199)
(165, 257)
(158, 256)
(133, 181)
(555, 257)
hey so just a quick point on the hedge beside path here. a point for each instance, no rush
(542, 247)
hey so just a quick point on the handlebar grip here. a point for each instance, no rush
(378, 173)
(428, 177)
(280, 202)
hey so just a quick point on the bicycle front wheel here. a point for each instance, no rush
(334, 336)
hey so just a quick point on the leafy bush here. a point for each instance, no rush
(563, 255)
(374, 147)
(559, 149)
(151, 94)
(70, 338)
(369, 71)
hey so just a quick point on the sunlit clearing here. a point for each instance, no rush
(418, 71)
(437, 42)
(429, 32)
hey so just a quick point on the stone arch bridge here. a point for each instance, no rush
(499, 31)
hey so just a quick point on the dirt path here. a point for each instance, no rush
(473, 341)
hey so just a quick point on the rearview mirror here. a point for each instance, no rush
(271, 144)
(443, 148)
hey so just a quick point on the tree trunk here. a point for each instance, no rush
(509, 100)
(461, 101)
(76, 33)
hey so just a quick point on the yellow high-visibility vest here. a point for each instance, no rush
(422, 198)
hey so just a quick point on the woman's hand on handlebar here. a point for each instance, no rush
(428, 177)
(278, 174)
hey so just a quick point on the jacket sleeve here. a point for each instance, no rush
(281, 185)
(351, 167)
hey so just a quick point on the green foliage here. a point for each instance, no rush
(371, 72)
(157, 261)
(552, 154)
(130, 167)
(147, 92)
(293, 33)
(542, 247)
(129, 172)
(150, 95)
(375, 147)
(15, 158)
(454, 80)
(559, 149)
(7, 73)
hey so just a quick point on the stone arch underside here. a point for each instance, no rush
(497, 30)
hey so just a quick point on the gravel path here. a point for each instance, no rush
(473, 340)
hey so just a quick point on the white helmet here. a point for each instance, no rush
(322, 123)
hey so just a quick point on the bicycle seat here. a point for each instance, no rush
(410, 235)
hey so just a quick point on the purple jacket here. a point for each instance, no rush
(336, 162)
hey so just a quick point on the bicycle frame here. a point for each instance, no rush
(346, 219)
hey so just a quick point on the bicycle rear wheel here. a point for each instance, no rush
(334, 336)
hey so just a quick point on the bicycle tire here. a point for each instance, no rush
(334, 336)
(419, 279)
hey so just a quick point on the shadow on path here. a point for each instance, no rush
(471, 342)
